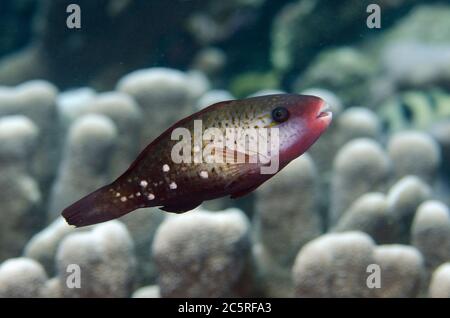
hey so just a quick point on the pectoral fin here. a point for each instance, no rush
(234, 156)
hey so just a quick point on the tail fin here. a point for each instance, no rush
(97, 207)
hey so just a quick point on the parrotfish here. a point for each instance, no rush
(178, 175)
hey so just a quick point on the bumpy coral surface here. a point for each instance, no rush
(203, 254)
(364, 213)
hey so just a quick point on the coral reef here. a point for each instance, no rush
(360, 166)
(431, 58)
(356, 189)
(280, 235)
(334, 265)
(348, 79)
(292, 39)
(18, 139)
(142, 226)
(297, 220)
(358, 122)
(247, 83)
(37, 101)
(42, 246)
(210, 61)
(105, 258)
(51, 289)
(212, 97)
(402, 271)
(21, 278)
(338, 265)
(365, 213)
(441, 132)
(84, 166)
(440, 282)
(20, 211)
(164, 96)
(120, 108)
(369, 214)
(431, 233)
(147, 292)
(203, 254)
(414, 153)
(403, 199)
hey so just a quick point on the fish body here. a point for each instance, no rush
(215, 138)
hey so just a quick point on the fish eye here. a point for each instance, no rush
(280, 114)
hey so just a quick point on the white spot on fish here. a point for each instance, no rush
(118, 194)
(123, 199)
(173, 185)
(204, 174)
(138, 194)
(143, 183)
(166, 168)
(151, 196)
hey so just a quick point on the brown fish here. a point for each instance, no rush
(229, 148)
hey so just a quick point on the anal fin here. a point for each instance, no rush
(180, 207)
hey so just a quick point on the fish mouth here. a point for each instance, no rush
(324, 112)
